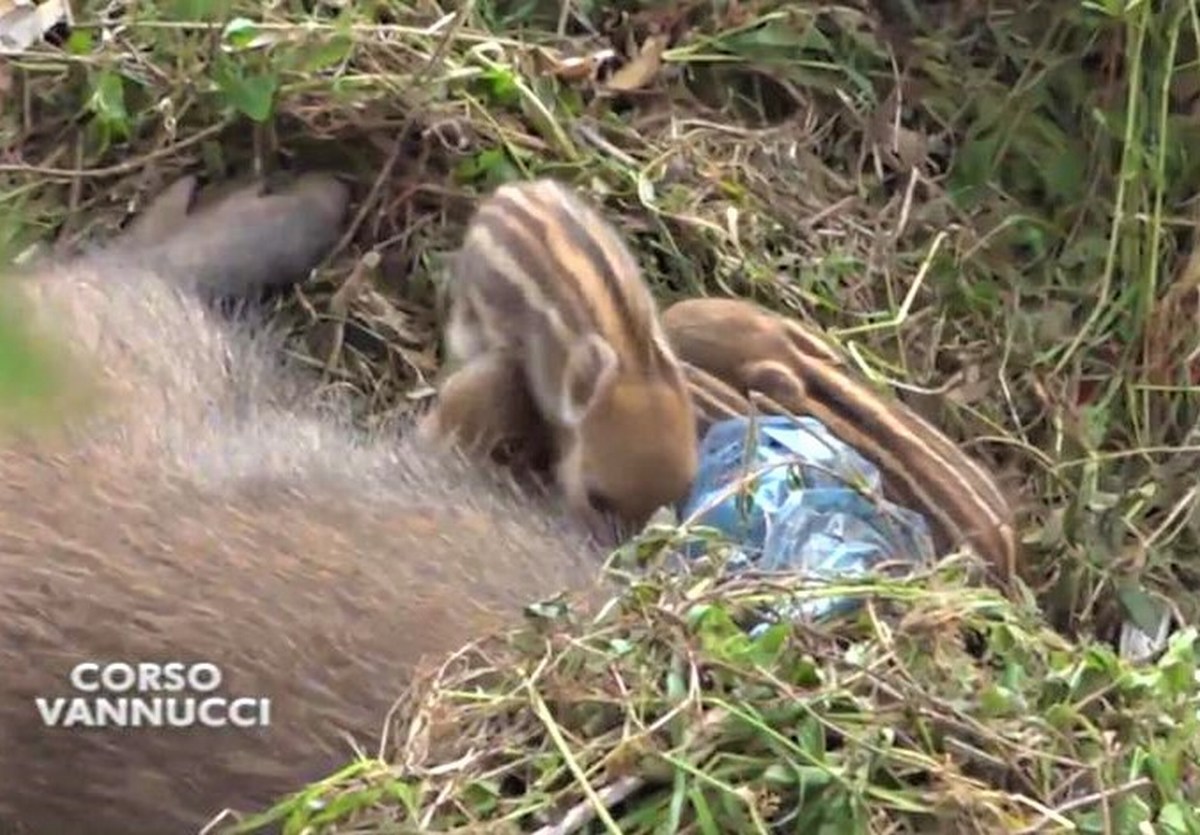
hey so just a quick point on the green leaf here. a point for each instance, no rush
(80, 42)
(31, 380)
(23, 373)
(1144, 610)
(501, 86)
(240, 32)
(108, 102)
(490, 167)
(254, 95)
(325, 55)
(1177, 818)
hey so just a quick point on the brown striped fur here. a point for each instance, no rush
(749, 349)
(544, 282)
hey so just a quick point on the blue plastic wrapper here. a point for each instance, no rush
(812, 505)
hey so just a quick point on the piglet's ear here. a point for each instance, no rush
(776, 381)
(590, 370)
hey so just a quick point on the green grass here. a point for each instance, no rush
(989, 205)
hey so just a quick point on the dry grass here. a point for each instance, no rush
(989, 207)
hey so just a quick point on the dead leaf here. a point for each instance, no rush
(22, 24)
(910, 147)
(900, 146)
(641, 70)
(571, 68)
(1170, 337)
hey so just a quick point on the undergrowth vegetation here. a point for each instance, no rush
(989, 205)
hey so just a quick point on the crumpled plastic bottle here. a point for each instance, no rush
(809, 503)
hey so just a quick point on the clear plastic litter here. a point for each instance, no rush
(790, 496)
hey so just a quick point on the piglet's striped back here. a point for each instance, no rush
(538, 255)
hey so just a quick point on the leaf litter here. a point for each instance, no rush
(987, 204)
